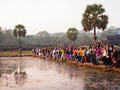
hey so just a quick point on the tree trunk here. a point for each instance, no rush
(95, 37)
(20, 44)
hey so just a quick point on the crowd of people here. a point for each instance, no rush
(107, 55)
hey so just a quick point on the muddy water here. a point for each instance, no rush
(39, 74)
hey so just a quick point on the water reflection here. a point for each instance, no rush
(32, 73)
(101, 80)
(10, 74)
(0, 68)
(20, 78)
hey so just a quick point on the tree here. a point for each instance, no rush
(19, 31)
(72, 34)
(93, 18)
(0, 30)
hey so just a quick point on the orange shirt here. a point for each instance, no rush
(74, 51)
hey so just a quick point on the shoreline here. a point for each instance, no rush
(111, 69)
(89, 65)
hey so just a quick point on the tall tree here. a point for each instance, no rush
(19, 31)
(72, 34)
(0, 30)
(93, 18)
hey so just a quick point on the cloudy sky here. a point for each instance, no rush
(52, 15)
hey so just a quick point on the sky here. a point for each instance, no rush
(52, 15)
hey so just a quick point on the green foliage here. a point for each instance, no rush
(72, 34)
(19, 31)
(93, 18)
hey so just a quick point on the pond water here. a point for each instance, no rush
(37, 74)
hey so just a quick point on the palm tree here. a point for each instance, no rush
(93, 18)
(72, 34)
(19, 32)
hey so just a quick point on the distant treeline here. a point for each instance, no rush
(45, 39)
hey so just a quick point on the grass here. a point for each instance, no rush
(12, 53)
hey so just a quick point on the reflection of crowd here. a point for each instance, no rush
(108, 55)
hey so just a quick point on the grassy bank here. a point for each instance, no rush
(15, 53)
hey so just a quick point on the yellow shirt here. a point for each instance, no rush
(62, 51)
(82, 52)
